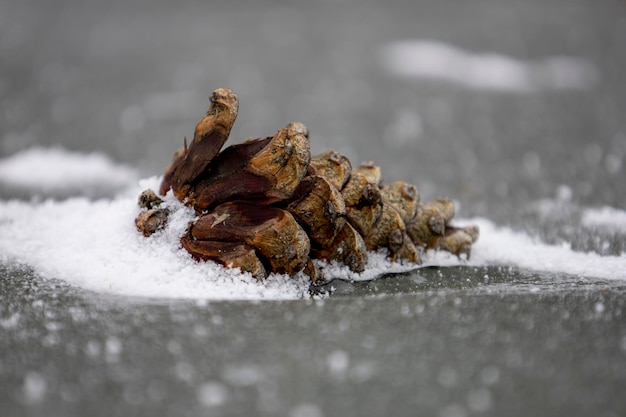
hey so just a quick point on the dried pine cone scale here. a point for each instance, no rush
(266, 206)
(231, 254)
(273, 232)
(211, 133)
(320, 209)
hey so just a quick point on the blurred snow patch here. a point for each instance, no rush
(428, 59)
(57, 171)
(605, 217)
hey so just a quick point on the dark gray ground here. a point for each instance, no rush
(132, 78)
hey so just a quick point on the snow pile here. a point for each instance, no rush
(93, 244)
(607, 218)
(503, 246)
(489, 71)
(56, 171)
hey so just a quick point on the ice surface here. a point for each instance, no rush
(430, 59)
(93, 244)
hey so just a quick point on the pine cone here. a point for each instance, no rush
(265, 206)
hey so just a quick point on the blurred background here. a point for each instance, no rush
(131, 78)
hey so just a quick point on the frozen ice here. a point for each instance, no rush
(363, 371)
(490, 375)
(10, 322)
(93, 349)
(34, 387)
(184, 371)
(447, 377)
(453, 410)
(599, 308)
(212, 394)
(306, 410)
(479, 400)
(242, 375)
(113, 349)
(338, 362)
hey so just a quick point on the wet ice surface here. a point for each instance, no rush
(67, 350)
(533, 324)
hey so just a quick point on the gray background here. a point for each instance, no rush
(131, 79)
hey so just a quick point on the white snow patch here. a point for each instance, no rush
(503, 246)
(499, 246)
(605, 218)
(94, 245)
(429, 59)
(57, 170)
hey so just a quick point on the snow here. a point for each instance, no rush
(605, 218)
(503, 246)
(56, 170)
(429, 59)
(93, 244)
